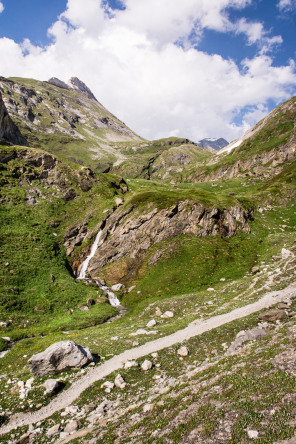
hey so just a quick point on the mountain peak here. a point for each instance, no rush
(77, 85)
(73, 84)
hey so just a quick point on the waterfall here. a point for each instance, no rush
(84, 265)
(113, 300)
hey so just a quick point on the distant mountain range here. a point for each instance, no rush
(215, 144)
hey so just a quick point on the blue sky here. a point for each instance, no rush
(196, 68)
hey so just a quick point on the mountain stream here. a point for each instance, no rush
(113, 300)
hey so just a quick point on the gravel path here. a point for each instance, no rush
(94, 374)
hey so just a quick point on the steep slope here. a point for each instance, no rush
(262, 152)
(66, 120)
(41, 197)
(9, 132)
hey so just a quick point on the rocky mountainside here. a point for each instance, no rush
(215, 144)
(193, 245)
(66, 119)
(9, 132)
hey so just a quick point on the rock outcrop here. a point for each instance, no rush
(59, 357)
(9, 132)
(127, 235)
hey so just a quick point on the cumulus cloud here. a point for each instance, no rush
(286, 5)
(135, 65)
(1, 7)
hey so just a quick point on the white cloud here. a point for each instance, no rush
(286, 5)
(132, 64)
(1, 7)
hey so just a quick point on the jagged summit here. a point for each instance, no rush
(73, 84)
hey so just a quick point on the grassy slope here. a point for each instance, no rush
(32, 247)
(178, 281)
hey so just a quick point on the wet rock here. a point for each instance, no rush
(117, 287)
(273, 315)
(59, 357)
(147, 365)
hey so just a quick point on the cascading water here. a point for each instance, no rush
(84, 265)
(113, 300)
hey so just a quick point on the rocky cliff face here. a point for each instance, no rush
(9, 132)
(125, 235)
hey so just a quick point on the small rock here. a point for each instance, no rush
(147, 408)
(151, 323)
(210, 289)
(286, 253)
(168, 314)
(158, 312)
(282, 306)
(135, 344)
(3, 324)
(84, 308)
(118, 201)
(147, 365)
(89, 407)
(252, 434)
(119, 382)
(255, 270)
(142, 331)
(154, 355)
(90, 302)
(183, 351)
(72, 426)
(131, 288)
(108, 386)
(273, 315)
(117, 287)
(51, 385)
(54, 430)
(130, 364)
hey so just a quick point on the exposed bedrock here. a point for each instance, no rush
(127, 235)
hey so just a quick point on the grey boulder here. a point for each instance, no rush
(59, 357)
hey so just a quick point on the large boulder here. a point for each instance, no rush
(59, 357)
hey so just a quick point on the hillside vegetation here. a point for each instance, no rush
(186, 231)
